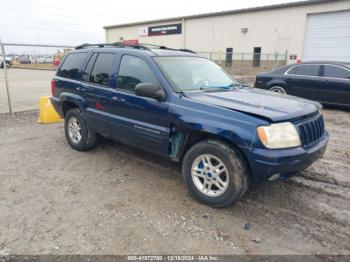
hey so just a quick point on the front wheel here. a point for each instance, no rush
(215, 173)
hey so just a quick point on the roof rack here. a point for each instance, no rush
(116, 44)
(142, 46)
(167, 48)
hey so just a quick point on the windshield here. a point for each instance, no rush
(195, 73)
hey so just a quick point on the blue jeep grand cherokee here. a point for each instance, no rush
(176, 104)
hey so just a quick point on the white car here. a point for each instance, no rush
(44, 60)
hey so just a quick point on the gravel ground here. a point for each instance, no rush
(118, 200)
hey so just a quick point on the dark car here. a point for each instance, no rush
(8, 62)
(179, 105)
(325, 82)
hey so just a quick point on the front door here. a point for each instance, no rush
(138, 121)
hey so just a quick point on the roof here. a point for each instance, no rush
(229, 12)
(346, 64)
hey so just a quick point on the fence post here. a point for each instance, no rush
(286, 57)
(6, 78)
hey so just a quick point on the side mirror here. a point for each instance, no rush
(150, 90)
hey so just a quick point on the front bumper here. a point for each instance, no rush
(266, 162)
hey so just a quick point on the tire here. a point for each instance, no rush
(78, 134)
(234, 176)
(278, 89)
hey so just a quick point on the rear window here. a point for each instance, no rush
(71, 65)
(336, 72)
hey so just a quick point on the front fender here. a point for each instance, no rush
(235, 134)
(237, 127)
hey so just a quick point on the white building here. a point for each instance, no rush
(311, 30)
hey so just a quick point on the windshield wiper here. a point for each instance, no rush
(219, 87)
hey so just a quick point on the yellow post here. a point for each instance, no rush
(47, 113)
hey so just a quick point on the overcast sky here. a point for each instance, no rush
(71, 22)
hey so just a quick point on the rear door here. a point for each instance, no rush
(336, 82)
(68, 73)
(139, 121)
(304, 81)
(95, 87)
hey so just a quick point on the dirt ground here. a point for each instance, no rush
(118, 200)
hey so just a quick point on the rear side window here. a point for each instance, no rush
(133, 71)
(87, 71)
(102, 68)
(336, 72)
(305, 70)
(71, 65)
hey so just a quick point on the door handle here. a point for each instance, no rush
(118, 99)
(82, 89)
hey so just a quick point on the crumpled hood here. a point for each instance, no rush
(259, 102)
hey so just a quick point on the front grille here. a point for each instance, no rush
(311, 131)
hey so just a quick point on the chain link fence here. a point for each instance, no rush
(26, 74)
(244, 66)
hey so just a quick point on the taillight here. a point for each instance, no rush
(53, 85)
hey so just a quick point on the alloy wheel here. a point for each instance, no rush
(210, 175)
(74, 130)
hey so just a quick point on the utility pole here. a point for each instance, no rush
(6, 78)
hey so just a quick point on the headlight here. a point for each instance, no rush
(282, 135)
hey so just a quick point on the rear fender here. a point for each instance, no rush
(73, 98)
(276, 82)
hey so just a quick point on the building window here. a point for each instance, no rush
(256, 56)
(228, 62)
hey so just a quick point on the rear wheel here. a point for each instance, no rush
(78, 134)
(215, 173)
(278, 89)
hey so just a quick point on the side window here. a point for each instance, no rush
(101, 72)
(133, 71)
(292, 71)
(307, 70)
(71, 65)
(88, 68)
(336, 72)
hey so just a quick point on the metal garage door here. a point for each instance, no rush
(327, 37)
